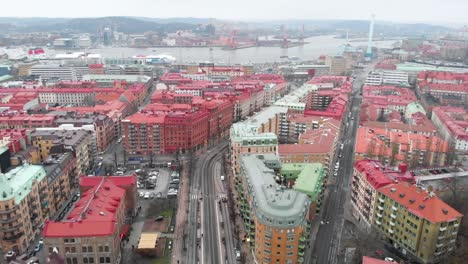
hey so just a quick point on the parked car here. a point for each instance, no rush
(147, 195)
(159, 218)
(10, 255)
(38, 248)
(142, 194)
(175, 181)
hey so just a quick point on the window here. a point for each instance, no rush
(100, 249)
(108, 260)
(102, 260)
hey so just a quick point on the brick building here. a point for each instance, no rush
(92, 232)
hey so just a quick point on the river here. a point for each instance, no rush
(316, 46)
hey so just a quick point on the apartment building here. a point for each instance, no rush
(93, 230)
(67, 96)
(378, 78)
(14, 139)
(449, 88)
(296, 125)
(54, 71)
(337, 64)
(276, 218)
(78, 142)
(22, 206)
(61, 174)
(162, 133)
(452, 123)
(104, 127)
(394, 147)
(308, 178)
(128, 183)
(11, 120)
(256, 135)
(416, 222)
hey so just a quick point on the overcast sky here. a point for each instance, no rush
(439, 11)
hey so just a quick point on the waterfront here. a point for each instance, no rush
(316, 46)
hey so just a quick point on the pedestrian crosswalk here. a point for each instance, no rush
(195, 196)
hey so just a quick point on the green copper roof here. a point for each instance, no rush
(309, 177)
(17, 183)
(414, 107)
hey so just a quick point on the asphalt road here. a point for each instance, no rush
(203, 197)
(328, 239)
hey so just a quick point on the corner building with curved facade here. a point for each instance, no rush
(277, 219)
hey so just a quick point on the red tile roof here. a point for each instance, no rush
(93, 215)
(120, 181)
(455, 119)
(425, 205)
(77, 229)
(378, 175)
(369, 260)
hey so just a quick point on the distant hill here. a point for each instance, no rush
(90, 25)
(356, 26)
(143, 24)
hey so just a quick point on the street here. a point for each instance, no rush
(328, 240)
(204, 244)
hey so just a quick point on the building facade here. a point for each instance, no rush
(416, 222)
(277, 219)
(93, 230)
(452, 124)
(22, 206)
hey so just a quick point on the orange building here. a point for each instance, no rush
(393, 147)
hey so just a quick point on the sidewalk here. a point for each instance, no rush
(181, 216)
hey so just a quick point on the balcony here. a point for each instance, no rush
(441, 237)
(439, 245)
(438, 253)
(392, 223)
(454, 233)
(393, 216)
(13, 237)
(452, 241)
(11, 229)
(381, 200)
(13, 209)
(442, 229)
(391, 231)
(380, 207)
(379, 215)
(456, 225)
(378, 222)
(394, 208)
(10, 220)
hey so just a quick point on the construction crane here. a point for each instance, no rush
(232, 39)
(285, 42)
(301, 37)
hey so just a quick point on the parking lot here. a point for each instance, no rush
(156, 182)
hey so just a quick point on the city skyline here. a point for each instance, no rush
(434, 10)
